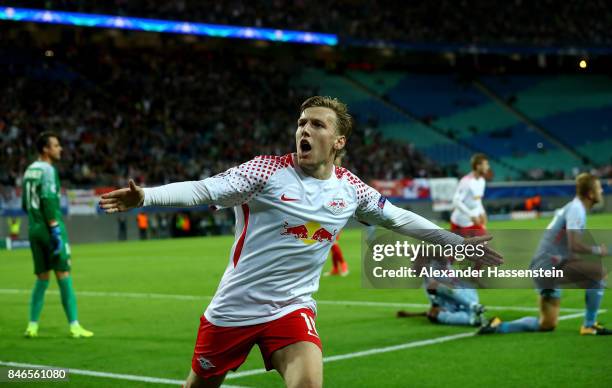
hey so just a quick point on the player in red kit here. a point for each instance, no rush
(289, 210)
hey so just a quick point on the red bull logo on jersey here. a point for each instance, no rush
(298, 231)
(323, 234)
(310, 232)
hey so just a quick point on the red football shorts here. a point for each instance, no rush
(468, 231)
(221, 349)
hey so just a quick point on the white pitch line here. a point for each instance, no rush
(407, 345)
(107, 375)
(364, 353)
(137, 295)
(423, 305)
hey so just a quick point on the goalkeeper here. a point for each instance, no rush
(48, 239)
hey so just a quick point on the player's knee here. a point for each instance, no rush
(548, 325)
(62, 274)
(432, 314)
(306, 381)
(192, 382)
(196, 381)
(548, 328)
(43, 276)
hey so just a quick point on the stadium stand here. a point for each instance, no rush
(177, 106)
(542, 22)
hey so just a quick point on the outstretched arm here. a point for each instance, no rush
(410, 224)
(191, 193)
(230, 188)
(375, 209)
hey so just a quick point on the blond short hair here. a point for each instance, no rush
(477, 159)
(344, 121)
(585, 184)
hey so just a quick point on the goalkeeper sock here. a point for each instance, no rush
(519, 325)
(593, 298)
(38, 299)
(68, 298)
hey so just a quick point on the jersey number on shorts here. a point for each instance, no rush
(310, 324)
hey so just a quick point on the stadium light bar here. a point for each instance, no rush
(167, 26)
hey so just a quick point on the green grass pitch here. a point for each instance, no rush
(129, 295)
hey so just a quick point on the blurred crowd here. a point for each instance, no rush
(546, 22)
(165, 115)
(539, 173)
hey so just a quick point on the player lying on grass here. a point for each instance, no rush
(289, 210)
(449, 305)
(47, 234)
(561, 246)
(453, 301)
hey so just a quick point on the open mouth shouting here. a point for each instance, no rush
(305, 148)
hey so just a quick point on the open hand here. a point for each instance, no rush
(123, 199)
(490, 257)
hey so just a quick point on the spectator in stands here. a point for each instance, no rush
(142, 220)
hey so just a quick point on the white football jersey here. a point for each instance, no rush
(467, 200)
(554, 247)
(286, 223)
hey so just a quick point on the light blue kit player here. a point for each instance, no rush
(452, 301)
(560, 247)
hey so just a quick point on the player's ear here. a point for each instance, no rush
(340, 142)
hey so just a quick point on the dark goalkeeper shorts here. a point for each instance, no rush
(42, 252)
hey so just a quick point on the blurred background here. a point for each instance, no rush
(182, 90)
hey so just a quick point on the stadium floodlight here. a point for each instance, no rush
(167, 26)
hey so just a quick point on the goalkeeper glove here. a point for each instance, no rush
(56, 239)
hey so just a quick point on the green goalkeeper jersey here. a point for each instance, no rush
(41, 195)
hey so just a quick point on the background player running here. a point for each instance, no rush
(47, 234)
(561, 246)
(469, 216)
(289, 210)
